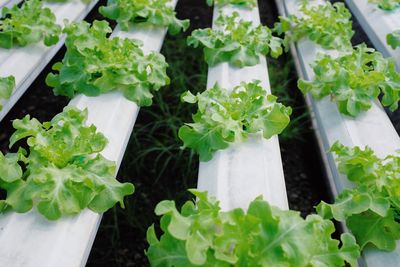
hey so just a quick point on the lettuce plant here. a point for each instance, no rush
(61, 172)
(224, 117)
(154, 12)
(28, 24)
(387, 4)
(328, 25)
(236, 41)
(66, 1)
(371, 210)
(95, 64)
(355, 79)
(393, 39)
(203, 235)
(7, 85)
(240, 3)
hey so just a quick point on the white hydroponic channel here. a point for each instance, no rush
(26, 63)
(240, 173)
(371, 128)
(377, 24)
(29, 240)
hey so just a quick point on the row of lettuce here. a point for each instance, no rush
(62, 171)
(200, 234)
(393, 39)
(388, 5)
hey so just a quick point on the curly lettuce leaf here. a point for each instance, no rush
(387, 4)
(154, 12)
(10, 170)
(7, 85)
(62, 172)
(202, 235)
(370, 208)
(224, 117)
(328, 25)
(66, 1)
(28, 24)
(393, 39)
(95, 64)
(355, 79)
(236, 41)
(240, 3)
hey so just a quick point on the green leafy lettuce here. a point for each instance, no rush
(62, 171)
(224, 117)
(154, 12)
(353, 80)
(328, 25)
(241, 3)
(66, 1)
(202, 235)
(7, 85)
(393, 39)
(236, 41)
(387, 4)
(95, 64)
(371, 207)
(28, 24)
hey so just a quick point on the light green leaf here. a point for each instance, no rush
(353, 80)
(236, 41)
(63, 172)
(239, 3)
(349, 252)
(264, 236)
(196, 247)
(179, 225)
(168, 252)
(386, 4)
(154, 12)
(393, 39)
(7, 85)
(370, 208)
(205, 143)
(95, 64)
(369, 227)
(327, 24)
(224, 117)
(10, 171)
(28, 24)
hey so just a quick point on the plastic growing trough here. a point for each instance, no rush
(8, 3)
(28, 239)
(372, 128)
(240, 173)
(26, 63)
(377, 24)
